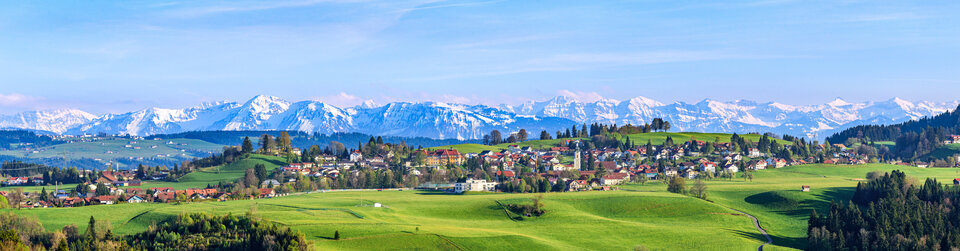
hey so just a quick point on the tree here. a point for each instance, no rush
(92, 228)
(522, 135)
(699, 189)
(336, 235)
(15, 197)
(677, 185)
(495, 137)
(285, 144)
(267, 145)
(247, 146)
(260, 170)
(544, 135)
(250, 178)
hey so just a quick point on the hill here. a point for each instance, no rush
(637, 215)
(657, 138)
(115, 152)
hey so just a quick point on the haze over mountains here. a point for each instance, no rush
(460, 121)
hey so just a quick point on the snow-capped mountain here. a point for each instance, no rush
(57, 121)
(460, 121)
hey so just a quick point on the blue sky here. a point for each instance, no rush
(115, 56)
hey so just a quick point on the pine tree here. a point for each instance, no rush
(247, 146)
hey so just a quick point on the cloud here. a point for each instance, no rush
(427, 6)
(580, 96)
(884, 17)
(18, 100)
(247, 7)
(341, 99)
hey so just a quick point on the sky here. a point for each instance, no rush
(119, 56)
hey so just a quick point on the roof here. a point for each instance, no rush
(616, 176)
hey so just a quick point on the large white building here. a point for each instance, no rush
(475, 185)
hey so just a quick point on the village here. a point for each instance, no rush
(563, 167)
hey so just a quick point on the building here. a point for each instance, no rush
(805, 188)
(356, 156)
(444, 157)
(475, 185)
(615, 178)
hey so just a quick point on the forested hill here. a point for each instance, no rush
(304, 140)
(913, 139)
(10, 138)
(948, 121)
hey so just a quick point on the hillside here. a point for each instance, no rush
(115, 152)
(656, 138)
(637, 215)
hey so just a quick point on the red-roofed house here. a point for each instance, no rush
(615, 178)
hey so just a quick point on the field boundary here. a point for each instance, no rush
(355, 214)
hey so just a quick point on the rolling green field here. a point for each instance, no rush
(424, 220)
(945, 151)
(637, 215)
(229, 172)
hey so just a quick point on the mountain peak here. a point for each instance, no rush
(838, 102)
(641, 100)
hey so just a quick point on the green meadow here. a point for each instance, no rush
(637, 215)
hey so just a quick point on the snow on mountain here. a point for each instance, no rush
(459, 121)
(57, 121)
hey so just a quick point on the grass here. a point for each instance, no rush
(944, 151)
(637, 215)
(437, 221)
(229, 172)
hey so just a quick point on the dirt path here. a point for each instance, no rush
(756, 223)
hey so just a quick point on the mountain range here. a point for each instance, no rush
(460, 121)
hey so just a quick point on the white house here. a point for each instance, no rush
(356, 156)
(135, 199)
(475, 185)
(754, 153)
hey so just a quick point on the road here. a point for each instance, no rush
(756, 223)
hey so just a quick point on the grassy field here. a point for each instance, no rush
(424, 220)
(945, 151)
(636, 215)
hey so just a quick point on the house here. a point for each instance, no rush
(670, 171)
(356, 156)
(267, 193)
(615, 178)
(754, 153)
(757, 165)
(805, 188)
(475, 185)
(956, 181)
(577, 185)
(708, 167)
(923, 164)
(732, 168)
(135, 199)
(105, 199)
(508, 174)
(270, 183)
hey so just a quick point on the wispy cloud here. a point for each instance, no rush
(341, 99)
(432, 5)
(247, 6)
(884, 17)
(580, 95)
